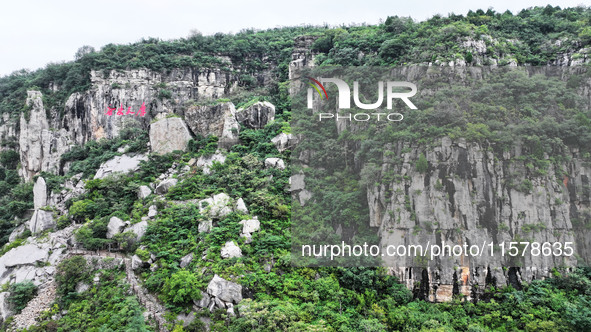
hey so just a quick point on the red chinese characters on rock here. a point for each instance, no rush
(140, 112)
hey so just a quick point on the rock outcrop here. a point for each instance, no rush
(186, 260)
(115, 226)
(40, 146)
(257, 115)
(39, 193)
(169, 134)
(5, 306)
(40, 221)
(143, 192)
(241, 206)
(217, 206)
(224, 290)
(119, 164)
(275, 163)
(283, 141)
(231, 250)
(217, 120)
(164, 186)
(465, 198)
(248, 227)
(138, 229)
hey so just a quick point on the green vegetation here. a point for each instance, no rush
(400, 40)
(422, 165)
(16, 197)
(279, 295)
(87, 159)
(20, 294)
(105, 306)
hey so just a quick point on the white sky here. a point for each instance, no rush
(36, 32)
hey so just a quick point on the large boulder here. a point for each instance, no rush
(241, 206)
(143, 192)
(5, 306)
(274, 163)
(204, 302)
(224, 290)
(250, 226)
(186, 260)
(119, 164)
(39, 193)
(205, 226)
(217, 120)
(115, 226)
(231, 250)
(136, 262)
(28, 254)
(41, 221)
(152, 211)
(217, 206)
(139, 229)
(283, 141)
(169, 134)
(17, 232)
(297, 182)
(257, 115)
(165, 185)
(82, 287)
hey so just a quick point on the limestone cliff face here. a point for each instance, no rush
(40, 146)
(470, 195)
(85, 117)
(86, 113)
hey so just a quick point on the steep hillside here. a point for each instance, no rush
(147, 187)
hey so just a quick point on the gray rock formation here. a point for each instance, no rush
(231, 250)
(297, 182)
(143, 192)
(163, 187)
(39, 193)
(136, 262)
(241, 206)
(5, 306)
(186, 319)
(72, 188)
(115, 227)
(205, 226)
(274, 163)
(302, 57)
(41, 221)
(465, 198)
(257, 115)
(217, 120)
(17, 232)
(283, 141)
(224, 290)
(169, 134)
(119, 164)
(152, 211)
(248, 227)
(186, 260)
(40, 148)
(138, 229)
(28, 254)
(217, 206)
(204, 302)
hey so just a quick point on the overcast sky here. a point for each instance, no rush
(36, 32)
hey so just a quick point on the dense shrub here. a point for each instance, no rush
(20, 294)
